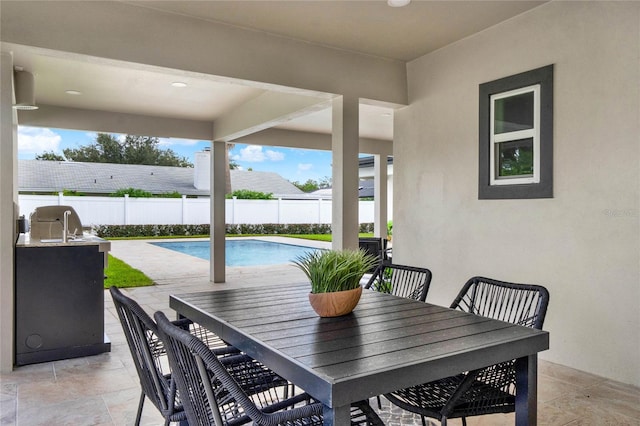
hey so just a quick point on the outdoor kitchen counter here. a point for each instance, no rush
(86, 240)
(59, 298)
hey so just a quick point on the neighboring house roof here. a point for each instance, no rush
(105, 178)
(369, 160)
(263, 182)
(365, 190)
(324, 192)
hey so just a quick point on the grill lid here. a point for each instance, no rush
(47, 222)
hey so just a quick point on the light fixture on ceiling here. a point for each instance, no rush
(24, 90)
(73, 92)
(398, 3)
(179, 84)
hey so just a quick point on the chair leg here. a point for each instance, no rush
(140, 405)
(464, 421)
(379, 403)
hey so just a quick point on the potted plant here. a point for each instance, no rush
(335, 279)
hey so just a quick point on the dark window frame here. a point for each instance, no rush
(544, 189)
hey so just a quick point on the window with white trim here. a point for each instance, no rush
(516, 136)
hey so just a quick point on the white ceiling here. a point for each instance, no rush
(369, 27)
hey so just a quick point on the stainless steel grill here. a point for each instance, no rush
(47, 222)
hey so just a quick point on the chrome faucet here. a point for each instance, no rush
(65, 225)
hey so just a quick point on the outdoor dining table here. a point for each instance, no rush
(386, 343)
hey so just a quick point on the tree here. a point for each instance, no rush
(309, 186)
(50, 156)
(325, 182)
(134, 150)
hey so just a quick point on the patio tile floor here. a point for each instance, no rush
(104, 389)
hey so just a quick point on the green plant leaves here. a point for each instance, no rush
(335, 270)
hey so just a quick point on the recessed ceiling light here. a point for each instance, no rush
(73, 92)
(398, 3)
(179, 84)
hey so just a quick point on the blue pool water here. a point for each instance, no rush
(243, 252)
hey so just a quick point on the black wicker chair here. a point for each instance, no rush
(149, 355)
(488, 390)
(401, 280)
(376, 247)
(213, 390)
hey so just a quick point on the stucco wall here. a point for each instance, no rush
(583, 244)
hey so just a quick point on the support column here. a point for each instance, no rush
(380, 195)
(345, 147)
(8, 209)
(217, 273)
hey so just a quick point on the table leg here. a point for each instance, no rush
(527, 390)
(337, 416)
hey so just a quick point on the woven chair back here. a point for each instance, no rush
(401, 280)
(147, 352)
(522, 304)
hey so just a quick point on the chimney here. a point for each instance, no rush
(202, 170)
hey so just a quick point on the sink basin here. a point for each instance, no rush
(52, 240)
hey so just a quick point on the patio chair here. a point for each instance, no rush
(149, 355)
(487, 390)
(376, 247)
(401, 280)
(213, 389)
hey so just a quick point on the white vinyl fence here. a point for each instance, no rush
(189, 211)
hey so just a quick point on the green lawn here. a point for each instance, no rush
(122, 275)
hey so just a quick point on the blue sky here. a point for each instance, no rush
(292, 164)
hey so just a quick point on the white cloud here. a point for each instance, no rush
(274, 155)
(35, 140)
(255, 154)
(303, 167)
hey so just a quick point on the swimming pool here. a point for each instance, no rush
(242, 252)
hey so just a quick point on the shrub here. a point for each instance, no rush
(245, 194)
(131, 192)
(112, 231)
(174, 194)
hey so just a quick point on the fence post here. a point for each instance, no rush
(126, 209)
(233, 209)
(279, 210)
(319, 211)
(184, 209)
(60, 198)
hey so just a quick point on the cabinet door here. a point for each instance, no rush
(59, 297)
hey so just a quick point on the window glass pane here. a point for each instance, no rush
(513, 113)
(514, 158)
